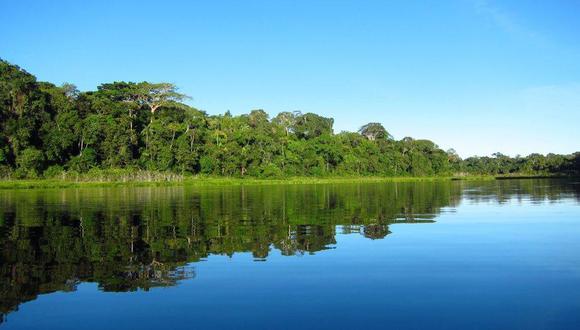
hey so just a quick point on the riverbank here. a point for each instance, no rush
(225, 181)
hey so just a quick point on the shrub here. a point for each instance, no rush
(30, 161)
(83, 162)
(271, 171)
(5, 172)
(53, 171)
(207, 164)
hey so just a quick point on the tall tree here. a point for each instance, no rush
(157, 95)
(374, 131)
(310, 125)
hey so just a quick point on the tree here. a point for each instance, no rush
(70, 90)
(287, 120)
(258, 118)
(374, 131)
(310, 125)
(30, 161)
(120, 125)
(23, 110)
(157, 95)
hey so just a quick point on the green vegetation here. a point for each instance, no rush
(157, 179)
(130, 132)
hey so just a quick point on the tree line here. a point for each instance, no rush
(47, 130)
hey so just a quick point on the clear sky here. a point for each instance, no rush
(478, 76)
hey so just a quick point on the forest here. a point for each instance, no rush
(48, 131)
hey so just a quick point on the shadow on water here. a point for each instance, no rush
(128, 239)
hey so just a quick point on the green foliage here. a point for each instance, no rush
(310, 125)
(30, 161)
(83, 162)
(272, 171)
(144, 126)
(374, 131)
(53, 171)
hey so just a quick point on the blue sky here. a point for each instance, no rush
(478, 76)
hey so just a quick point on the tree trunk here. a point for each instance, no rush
(172, 139)
(191, 142)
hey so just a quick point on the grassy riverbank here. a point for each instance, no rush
(214, 181)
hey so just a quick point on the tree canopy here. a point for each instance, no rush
(374, 131)
(46, 130)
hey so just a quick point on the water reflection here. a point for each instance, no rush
(127, 239)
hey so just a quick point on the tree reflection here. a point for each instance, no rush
(129, 239)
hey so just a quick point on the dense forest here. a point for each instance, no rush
(49, 131)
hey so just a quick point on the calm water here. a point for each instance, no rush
(452, 255)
